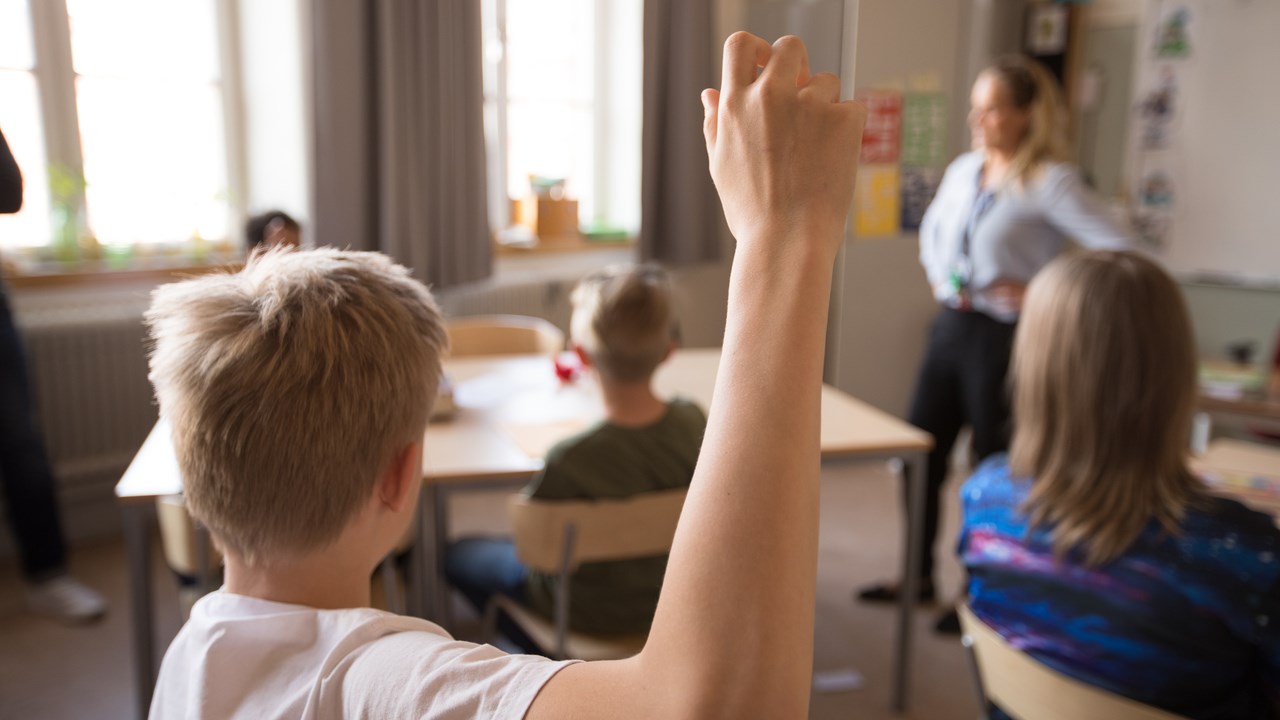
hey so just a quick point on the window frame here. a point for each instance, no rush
(603, 62)
(55, 76)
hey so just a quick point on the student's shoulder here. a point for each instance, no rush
(408, 674)
(993, 484)
(1231, 518)
(687, 413)
(573, 448)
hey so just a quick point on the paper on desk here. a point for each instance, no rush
(834, 681)
(536, 440)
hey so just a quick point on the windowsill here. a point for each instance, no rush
(97, 273)
(561, 261)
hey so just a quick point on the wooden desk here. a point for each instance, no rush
(1245, 471)
(508, 407)
(1256, 410)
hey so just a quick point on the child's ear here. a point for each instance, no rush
(397, 481)
(583, 357)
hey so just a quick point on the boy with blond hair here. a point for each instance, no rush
(623, 326)
(298, 391)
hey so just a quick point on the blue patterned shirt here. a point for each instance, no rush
(1188, 622)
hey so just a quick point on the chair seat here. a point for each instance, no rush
(1028, 689)
(578, 646)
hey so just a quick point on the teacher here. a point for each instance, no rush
(1002, 212)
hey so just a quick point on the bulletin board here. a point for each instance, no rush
(1205, 137)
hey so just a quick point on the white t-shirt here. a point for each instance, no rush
(243, 657)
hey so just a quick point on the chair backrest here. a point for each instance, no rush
(502, 335)
(1027, 689)
(602, 530)
(178, 536)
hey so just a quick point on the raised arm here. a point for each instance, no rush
(733, 634)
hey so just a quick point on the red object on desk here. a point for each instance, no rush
(567, 366)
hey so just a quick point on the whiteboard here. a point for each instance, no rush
(1221, 147)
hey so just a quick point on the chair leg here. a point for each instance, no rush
(967, 641)
(489, 622)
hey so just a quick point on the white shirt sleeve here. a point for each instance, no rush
(1078, 212)
(419, 675)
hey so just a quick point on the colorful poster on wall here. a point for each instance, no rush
(1047, 30)
(882, 137)
(919, 185)
(1173, 32)
(1158, 109)
(876, 208)
(924, 129)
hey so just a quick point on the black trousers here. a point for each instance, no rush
(25, 475)
(961, 382)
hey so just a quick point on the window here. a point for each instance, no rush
(119, 124)
(563, 94)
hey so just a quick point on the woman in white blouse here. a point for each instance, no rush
(1002, 212)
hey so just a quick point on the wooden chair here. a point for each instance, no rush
(557, 536)
(187, 549)
(184, 545)
(503, 335)
(1029, 690)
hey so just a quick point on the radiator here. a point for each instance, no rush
(89, 377)
(546, 300)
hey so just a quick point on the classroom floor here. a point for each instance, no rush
(53, 672)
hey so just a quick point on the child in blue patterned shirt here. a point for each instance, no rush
(1093, 547)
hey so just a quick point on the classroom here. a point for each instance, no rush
(639, 359)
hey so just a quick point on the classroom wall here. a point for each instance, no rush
(1223, 315)
(885, 306)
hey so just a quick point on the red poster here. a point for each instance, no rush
(882, 138)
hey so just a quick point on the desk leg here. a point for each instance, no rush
(915, 467)
(138, 538)
(440, 586)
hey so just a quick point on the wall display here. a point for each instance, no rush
(882, 137)
(919, 185)
(1173, 31)
(1204, 164)
(876, 208)
(1047, 30)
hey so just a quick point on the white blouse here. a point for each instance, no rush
(1018, 234)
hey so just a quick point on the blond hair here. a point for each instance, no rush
(1104, 388)
(289, 386)
(622, 318)
(1034, 90)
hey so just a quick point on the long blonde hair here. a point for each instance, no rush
(1104, 378)
(1033, 89)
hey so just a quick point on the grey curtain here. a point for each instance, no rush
(681, 222)
(399, 132)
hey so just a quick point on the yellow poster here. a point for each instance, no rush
(877, 208)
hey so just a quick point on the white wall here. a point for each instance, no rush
(884, 303)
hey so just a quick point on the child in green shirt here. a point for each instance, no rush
(623, 327)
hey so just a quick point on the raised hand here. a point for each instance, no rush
(783, 148)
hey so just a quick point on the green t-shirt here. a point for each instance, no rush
(612, 462)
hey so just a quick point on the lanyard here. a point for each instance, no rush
(962, 274)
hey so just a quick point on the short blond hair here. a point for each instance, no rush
(623, 319)
(1104, 389)
(289, 386)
